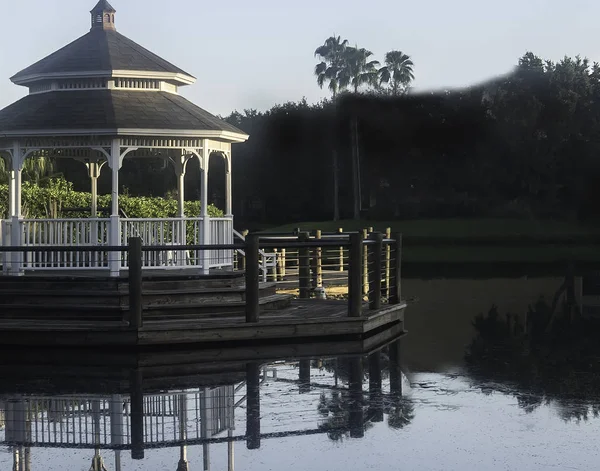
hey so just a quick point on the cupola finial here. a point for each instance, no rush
(103, 16)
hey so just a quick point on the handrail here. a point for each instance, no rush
(154, 248)
(264, 257)
(63, 219)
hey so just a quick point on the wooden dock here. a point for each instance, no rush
(167, 308)
(303, 319)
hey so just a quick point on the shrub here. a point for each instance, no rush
(57, 196)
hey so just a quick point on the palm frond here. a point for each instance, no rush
(320, 68)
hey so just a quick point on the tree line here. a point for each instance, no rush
(522, 145)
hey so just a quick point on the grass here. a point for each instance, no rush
(453, 228)
(508, 240)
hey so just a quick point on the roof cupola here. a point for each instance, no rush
(103, 16)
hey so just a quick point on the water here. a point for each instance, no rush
(455, 393)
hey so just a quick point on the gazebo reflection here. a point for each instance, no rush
(134, 421)
(102, 423)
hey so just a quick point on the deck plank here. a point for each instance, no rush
(303, 319)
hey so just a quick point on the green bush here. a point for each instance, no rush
(57, 196)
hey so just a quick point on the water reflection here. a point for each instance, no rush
(341, 397)
(551, 353)
(484, 379)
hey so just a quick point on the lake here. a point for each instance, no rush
(492, 374)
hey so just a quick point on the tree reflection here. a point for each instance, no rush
(401, 412)
(551, 355)
(344, 410)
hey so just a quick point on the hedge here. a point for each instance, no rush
(57, 196)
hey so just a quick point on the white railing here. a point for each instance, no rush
(91, 232)
(105, 421)
(221, 230)
(5, 226)
(267, 260)
(180, 231)
(156, 231)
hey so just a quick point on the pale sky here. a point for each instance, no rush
(256, 54)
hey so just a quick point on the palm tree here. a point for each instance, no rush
(332, 62)
(35, 169)
(398, 72)
(358, 70)
(332, 55)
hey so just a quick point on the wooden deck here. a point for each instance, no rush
(302, 320)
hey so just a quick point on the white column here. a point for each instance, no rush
(230, 452)
(179, 163)
(205, 236)
(15, 209)
(94, 173)
(228, 195)
(116, 426)
(180, 172)
(114, 236)
(204, 181)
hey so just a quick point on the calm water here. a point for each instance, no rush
(459, 392)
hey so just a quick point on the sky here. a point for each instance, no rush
(256, 54)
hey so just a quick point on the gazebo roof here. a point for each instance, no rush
(105, 84)
(100, 53)
(108, 112)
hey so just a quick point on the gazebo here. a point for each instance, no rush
(99, 100)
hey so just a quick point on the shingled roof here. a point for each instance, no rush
(104, 6)
(109, 110)
(99, 51)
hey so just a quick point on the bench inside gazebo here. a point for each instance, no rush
(100, 100)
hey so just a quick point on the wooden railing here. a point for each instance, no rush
(374, 268)
(361, 252)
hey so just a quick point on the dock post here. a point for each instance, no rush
(340, 232)
(242, 258)
(135, 282)
(375, 259)
(252, 277)
(395, 287)
(356, 415)
(313, 264)
(304, 267)
(304, 376)
(388, 258)
(365, 285)
(137, 415)
(319, 261)
(253, 406)
(278, 270)
(283, 264)
(375, 392)
(355, 259)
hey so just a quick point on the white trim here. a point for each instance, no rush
(163, 86)
(141, 74)
(175, 133)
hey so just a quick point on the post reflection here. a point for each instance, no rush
(375, 391)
